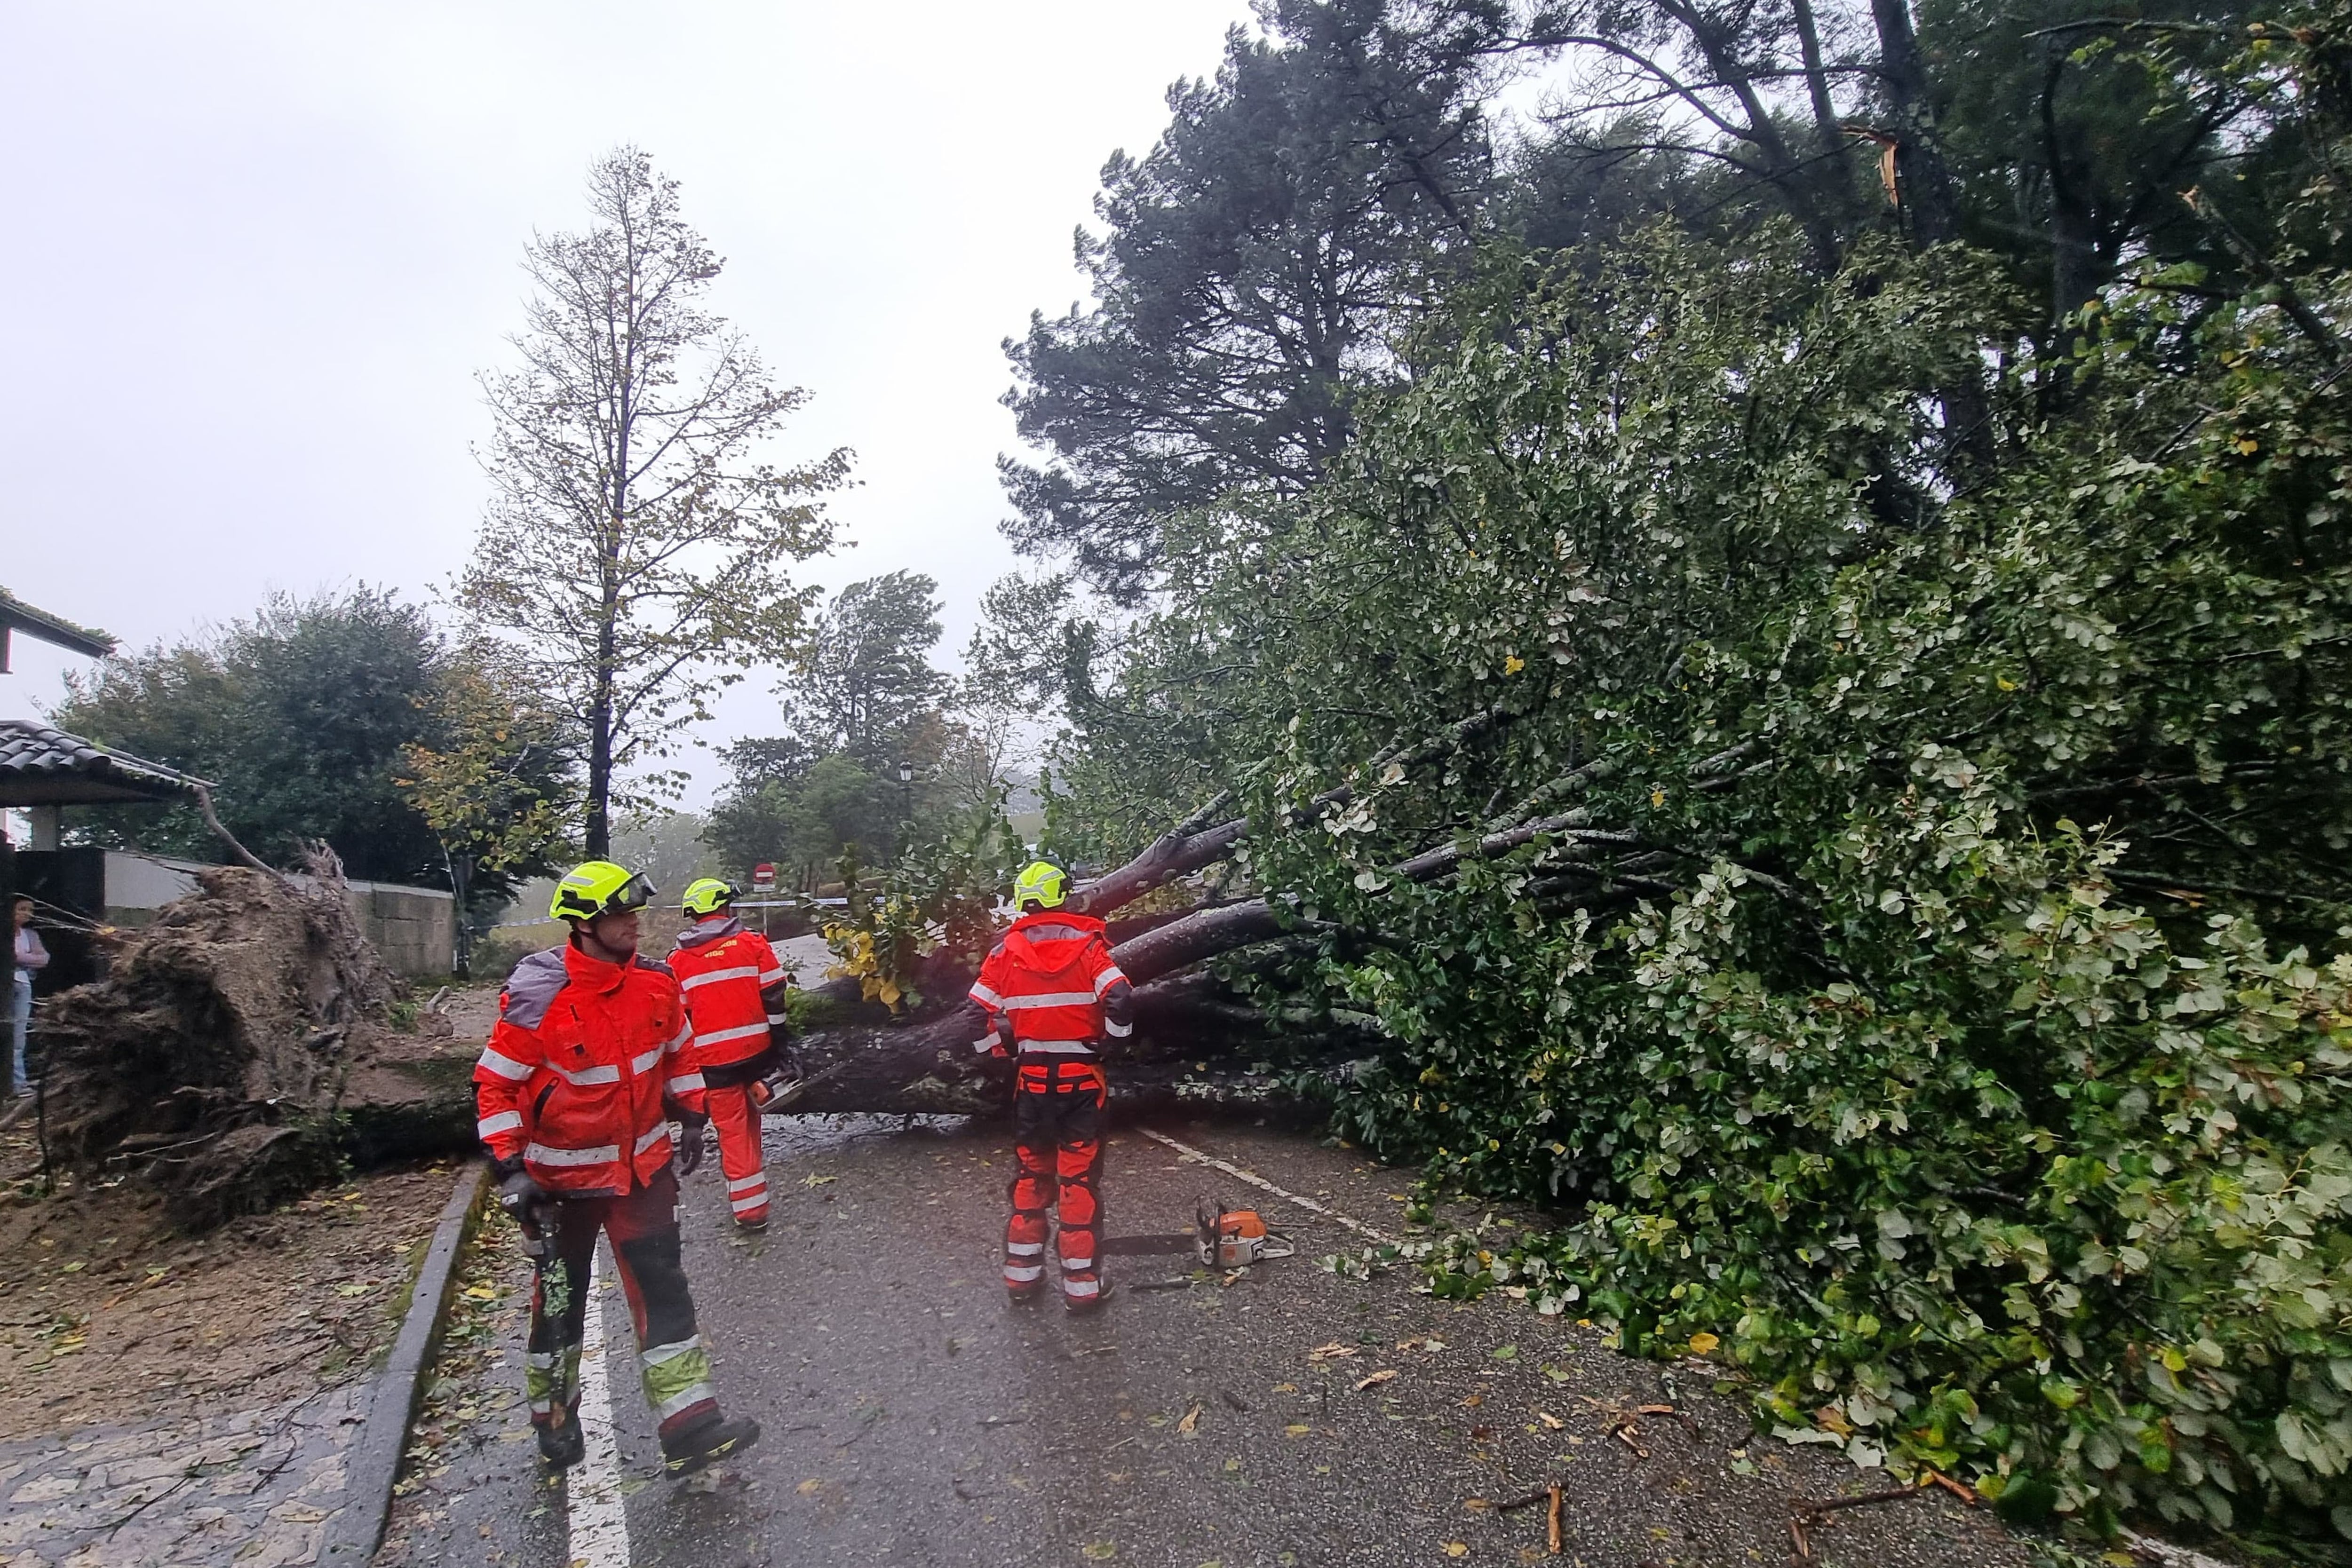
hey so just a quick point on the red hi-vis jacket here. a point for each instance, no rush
(1053, 984)
(572, 1081)
(734, 990)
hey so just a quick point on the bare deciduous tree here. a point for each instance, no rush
(637, 546)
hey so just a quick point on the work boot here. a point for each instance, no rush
(562, 1446)
(1087, 1306)
(718, 1438)
(759, 1224)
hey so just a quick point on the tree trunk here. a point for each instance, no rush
(1923, 177)
(1831, 169)
(597, 831)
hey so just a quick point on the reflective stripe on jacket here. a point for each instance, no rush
(577, 1068)
(734, 989)
(1054, 980)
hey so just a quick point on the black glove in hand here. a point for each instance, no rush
(526, 1202)
(689, 1143)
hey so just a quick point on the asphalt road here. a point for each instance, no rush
(912, 1415)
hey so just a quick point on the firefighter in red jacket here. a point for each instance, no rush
(735, 995)
(1048, 995)
(576, 1090)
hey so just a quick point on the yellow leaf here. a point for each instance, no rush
(1704, 1343)
(1099, 1551)
(1192, 1421)
(1296, 1429)
(2248, 445)
(1657, 797)
(1457, 1549)
(810, 1487)
(481, 1293)
(1513, 663)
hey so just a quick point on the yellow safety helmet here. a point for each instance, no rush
(1043, 884)
(709, 896)
(598, 887)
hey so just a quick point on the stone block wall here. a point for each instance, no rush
(416, 928)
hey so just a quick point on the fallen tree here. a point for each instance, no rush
(240, 1048)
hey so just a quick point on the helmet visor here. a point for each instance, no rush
(633, 894)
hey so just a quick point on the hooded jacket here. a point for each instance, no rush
(572, 1083)
(734, 988)
(1052, 986)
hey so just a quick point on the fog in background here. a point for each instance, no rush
(258, 253)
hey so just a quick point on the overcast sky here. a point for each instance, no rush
(258, 252)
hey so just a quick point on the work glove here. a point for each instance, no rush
(689, 1143)
(527, 1202)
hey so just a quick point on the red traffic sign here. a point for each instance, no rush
(763, 877)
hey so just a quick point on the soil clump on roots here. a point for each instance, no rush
(242, 1048)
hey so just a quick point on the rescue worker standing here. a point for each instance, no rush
(1048, 995)
(576, 1089)
(734, 990)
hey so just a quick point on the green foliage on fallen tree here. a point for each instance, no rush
(1897, 894)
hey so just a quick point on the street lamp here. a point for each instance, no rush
(905, 801)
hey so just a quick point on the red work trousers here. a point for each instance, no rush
(1058, 1115)
(737, 1120)
(676, 1367)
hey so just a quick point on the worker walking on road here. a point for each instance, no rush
(584, 1070)
(734, 989)
(1048, 995)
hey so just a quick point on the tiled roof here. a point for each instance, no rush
(40, 766)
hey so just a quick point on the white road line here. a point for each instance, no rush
(598, 1516)
(1260, 1182)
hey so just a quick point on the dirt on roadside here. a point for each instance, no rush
(107, 1315)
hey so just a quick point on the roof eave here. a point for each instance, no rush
(39, 624)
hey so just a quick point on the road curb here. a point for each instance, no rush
(373, 1464)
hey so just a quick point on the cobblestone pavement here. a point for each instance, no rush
(253, 1488)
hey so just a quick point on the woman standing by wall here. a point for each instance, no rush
(30, 955)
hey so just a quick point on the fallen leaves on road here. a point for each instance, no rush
(1335, 1351)
(1457, 1549)
(1384, 1375)
(1190, 1424)
(1550, 1420)
(1098, 1550)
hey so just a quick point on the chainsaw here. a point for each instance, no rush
(774, 1095)
(1228, 1238)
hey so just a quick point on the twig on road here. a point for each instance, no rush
(1808, 1516)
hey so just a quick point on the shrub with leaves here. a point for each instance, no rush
(936, 905)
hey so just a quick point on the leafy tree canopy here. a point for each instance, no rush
(305, 715)
(1888, 877)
